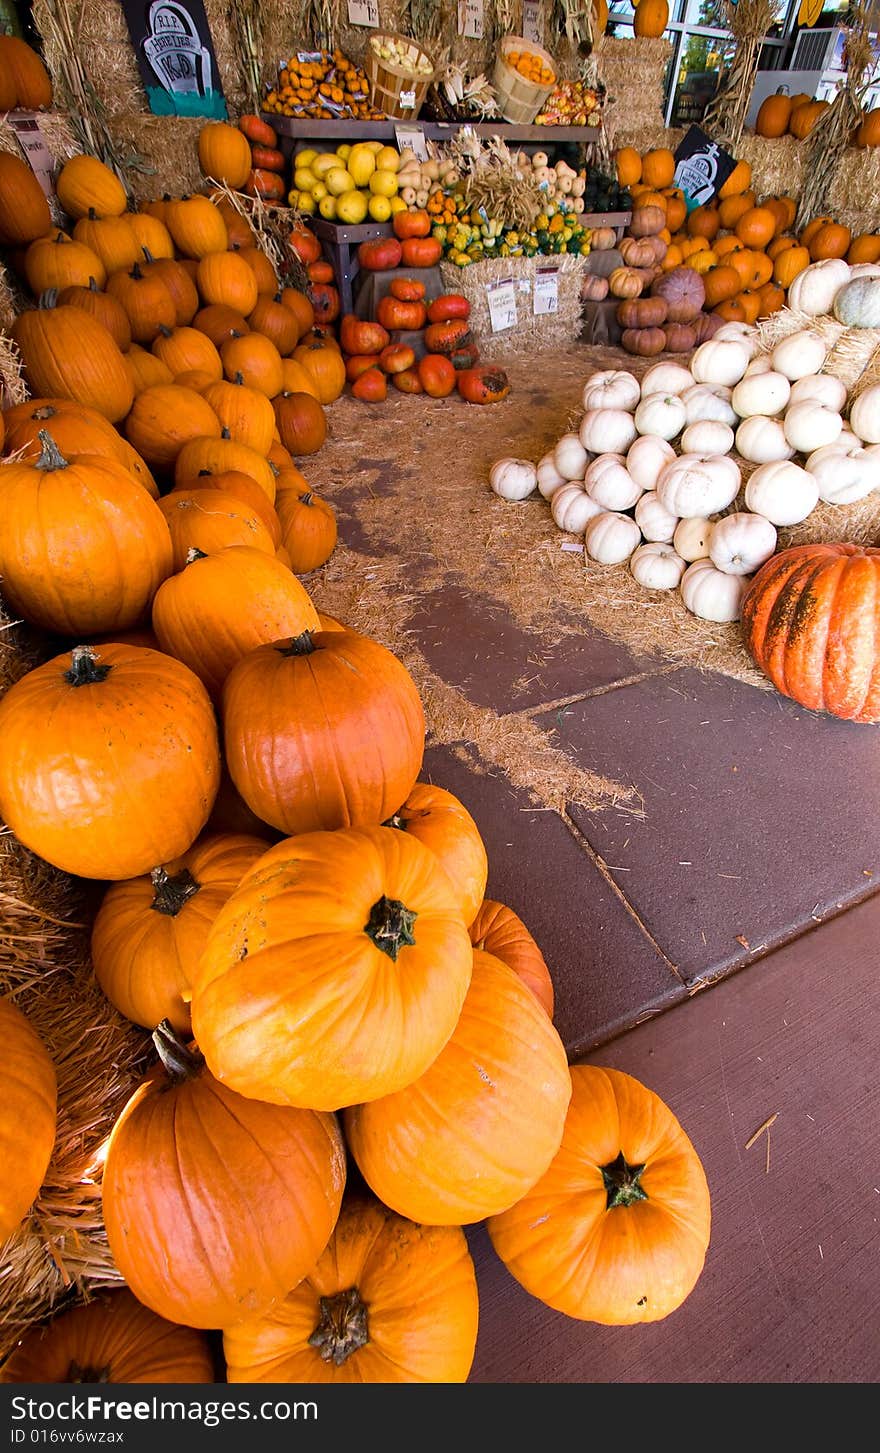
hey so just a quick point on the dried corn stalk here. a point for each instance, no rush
(831, 135)
(248, 25)
(748, 22)
(493, 180)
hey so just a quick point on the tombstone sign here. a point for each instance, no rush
(702, 167)
(172, 43)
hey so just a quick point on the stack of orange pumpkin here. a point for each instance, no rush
(797, 116)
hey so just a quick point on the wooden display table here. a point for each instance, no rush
(339, 244)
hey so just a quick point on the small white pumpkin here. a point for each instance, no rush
(656, 566)
(782, 492)
(863, 269)
(761, 363)
(800, 353)
(655, 521)
(844, 476)
(610, 537)
(663, 415)
(858, 303)
(645, 458)
(811, 425)
(761, 440)
(720, 360)
(691, 538)
(572, 508)
(548, 476)
(824, 388)
(570, 457)
(607, 431)
(864, 415)
(613, 388)
(814, 290)
(513, 479)
(610, 484)
(764, 393)
(666, 378)
(745, 333)
(707, 436)
(710, 401)
(741, 543)
(711, 594)
(694, 485)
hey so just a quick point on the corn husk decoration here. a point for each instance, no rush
(833, 132)
(495, 182)
(748, 22)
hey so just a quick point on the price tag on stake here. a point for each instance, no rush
(412, 137)
(546, 294)
(364, 12)
(470, 19)
(532, 22)
(407, 100)
(501, 298)
(33, 144)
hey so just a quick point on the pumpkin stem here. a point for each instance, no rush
(165, 331)
(390, 926)
(239, 377)
(622, 1182)
(224, 433)
(342, 1328)
(301, 645)
(93, 286)
(75, 1373)
(136, 272)
(171, 892)
(148, 256)
(85, 668)
(93, 216)
(51, 457)
(48, 411)
(180, 1062)
(307, 499)
(48, 299)
(193, 553)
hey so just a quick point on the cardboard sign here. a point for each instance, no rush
(412, 137)
(470, 19)
(546, 295)
(501, 298)
(172, 42)
(364, 12)
(33, 143)
(702, 166)
(533, 22)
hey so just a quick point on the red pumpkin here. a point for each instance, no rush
(415, 222)
(484, 384)
(396, 357)
(380, 254)
(446, 337)
(362, 335)
(407, 381)
(326, 302)
(397, 315)
(448, 306)
(420, 251)
(408, 289)
(371, 385)
(436, 375)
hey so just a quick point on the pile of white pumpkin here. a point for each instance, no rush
(649, 475)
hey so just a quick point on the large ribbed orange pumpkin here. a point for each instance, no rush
(28, 1108)
(476, 1130)
(617, 1229)
(116, 733)
(246, 412)
(388, 1302)
(149, 931)
(69, 355)
(323, 730)
(164, 418)
(208, 454)
(773, 116)
(439, 820)
(112, 1338)
(502, 933)
(811, 622)
(224, 604)
(24, 211)
(216, 1205)
(335, 972)
(209, 520)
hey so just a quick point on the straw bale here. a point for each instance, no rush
(854, 353)
(777, 164)
(61, 140)
(632, 72)
(167, 153)
(8, 301)
(530, 333)
(13, 389)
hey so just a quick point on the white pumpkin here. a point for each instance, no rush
(824, 388)
(610, 537)
(655, 521)
(710, 401)
(613, 388)
(761, 363)
(741, 543)
(765, 393)
(656, 566)
(570, 457)
(864, 415)
(761, 440)
(691, 538)
(607, 431)
(844, 476)
(814, 290)
(782, 492)
(720, 360)
(811, 425)
(745, 333)
(646, 456)
(666, 378)
(858, 303)
(863, 269)
(661, 414)
(610, 484)
(799, 354)
(572, 508)
(707, 436)
(513, 479)
(548, 476)
(711, 594)
(694, 485)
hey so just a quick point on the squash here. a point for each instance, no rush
(761, 440)
(814, 290)
(864, 415)
(548, 477)
(611, 537)
(811, 425)
(513, 479)
(607, 431)
(844, 474)
(609, 483)
(309, 527)
(645, 458)
(706, 437)
(86, 184)
(502, 933)
(691, 538)
(830, 240)
(666, 378)
(572, 508)
(857, 304)
(388, 1301)
(612, 388)
(782, 492)
(774, 114)
(694, 485)
(624, 1163)
(741, 542)
(765, 392)
(712, 594)
(823, 387)
(661, 414)
(438, 819)
(570, 457)
(224, 153)
(709, 401)
(811, 623)
(656, 566)
(654, 520)
(641, 313)
(643, 342)
(720, 360)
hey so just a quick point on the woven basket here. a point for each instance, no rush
(520, 100)
(393, 90)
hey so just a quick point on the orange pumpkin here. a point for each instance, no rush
(755, 228)
(301, 422)
(326, 366)
(309, 527)
(868, 133)
(804, 118)
(651, 18)
(738, 182)
(788, 263)
(864, 248)
(502, 933)
(658, 165)
(28, 1095)
(732, 208)
(771, 299)
(676, 209)
(208, 519)
(754, 268)
(832, 240)
(439, 820)
(720, 283)
(628, 164)
(812, 227)
(774, 114)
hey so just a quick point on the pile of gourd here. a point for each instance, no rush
(651, 474)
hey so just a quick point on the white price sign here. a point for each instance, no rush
(470, 19)
(546, 294)
(501, 298)
(412, 137)
(364, 12)
(33, 144)
(533, 22)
